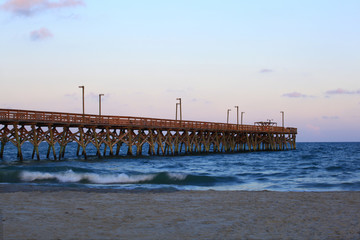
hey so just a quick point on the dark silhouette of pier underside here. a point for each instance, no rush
(163, 136)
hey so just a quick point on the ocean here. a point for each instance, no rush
(311, 167)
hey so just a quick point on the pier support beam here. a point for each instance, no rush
(18, 142)
(35, 142)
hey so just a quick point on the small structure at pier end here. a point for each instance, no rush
(162, 136)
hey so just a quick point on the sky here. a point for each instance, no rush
(265, 56)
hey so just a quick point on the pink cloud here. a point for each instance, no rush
(295, 95)
(41, 34)
(342, 91)
(30, 7)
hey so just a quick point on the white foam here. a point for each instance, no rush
(70, 176)
(117, 178)
(177, 176)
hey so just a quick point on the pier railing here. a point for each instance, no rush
(72, 119)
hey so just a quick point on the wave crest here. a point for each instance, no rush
(72, 177)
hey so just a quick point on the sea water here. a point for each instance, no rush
(311, 167)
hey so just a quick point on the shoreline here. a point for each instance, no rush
(14, 187)
(66, 213)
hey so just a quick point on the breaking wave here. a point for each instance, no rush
(70, 176)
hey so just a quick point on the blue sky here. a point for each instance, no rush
(301, 57)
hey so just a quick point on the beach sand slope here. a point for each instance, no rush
(180, 215)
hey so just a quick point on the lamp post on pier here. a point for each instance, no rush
(282, 113)
(237, 116)
(242, 113)
(176, 115)
(228, 113)
(83, 99)
(100, 95)
(179, 103)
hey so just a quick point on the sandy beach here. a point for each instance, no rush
(69, 214)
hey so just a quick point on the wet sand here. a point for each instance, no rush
(101, 214)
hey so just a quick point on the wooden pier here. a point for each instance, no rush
(163, 136)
